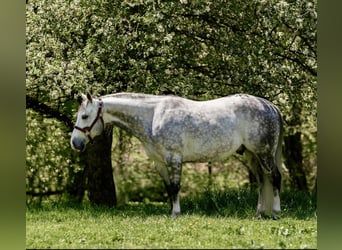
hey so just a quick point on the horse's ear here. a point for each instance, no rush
(84, 97)
(90, 98)
(81, 98)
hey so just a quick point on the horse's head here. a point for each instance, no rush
(89, 122)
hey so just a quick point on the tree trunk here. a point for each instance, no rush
(294, 161)
(210, 176)
(99, 172)
(293, 150)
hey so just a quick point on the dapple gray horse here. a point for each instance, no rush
(174, 130)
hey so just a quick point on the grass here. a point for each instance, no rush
(208, 220)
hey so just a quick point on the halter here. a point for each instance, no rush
(86, 130)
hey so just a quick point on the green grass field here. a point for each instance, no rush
(208, 220)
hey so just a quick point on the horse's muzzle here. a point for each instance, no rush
(78, 145)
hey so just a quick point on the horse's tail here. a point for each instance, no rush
(278, 155)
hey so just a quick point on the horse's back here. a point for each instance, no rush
(214, 129)
(235, 110)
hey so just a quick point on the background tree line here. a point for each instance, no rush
(195, 49)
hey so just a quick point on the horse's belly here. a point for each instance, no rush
(202, 157)
(197, 150)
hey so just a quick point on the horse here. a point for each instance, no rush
(175, 130)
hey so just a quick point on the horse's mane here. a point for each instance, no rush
(131, 95)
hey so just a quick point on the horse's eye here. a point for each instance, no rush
(84, 117)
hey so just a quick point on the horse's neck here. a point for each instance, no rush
(131, 114)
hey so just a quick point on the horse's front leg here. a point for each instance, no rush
(171, 175)
(174, 166)
(173, 193)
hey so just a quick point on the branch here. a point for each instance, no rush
(47, 193)
(49, 112)
(296, 60)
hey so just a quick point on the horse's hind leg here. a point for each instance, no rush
(276, 181)
(265, 188)
(269, 187)
(265, 200)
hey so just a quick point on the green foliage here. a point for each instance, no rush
(186, 48)
(197, 49)
(139, 225)
(49, 160)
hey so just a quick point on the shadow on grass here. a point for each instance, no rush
(235, 203)
(242, 204)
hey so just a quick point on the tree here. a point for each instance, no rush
(99, 181)
(98, 171)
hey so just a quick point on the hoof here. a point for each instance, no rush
(275, 217)
(263, 214)
(174, 215)
(260, 216)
